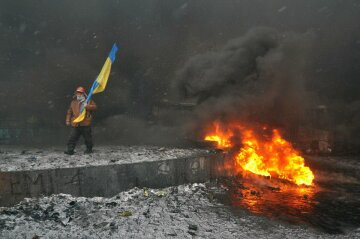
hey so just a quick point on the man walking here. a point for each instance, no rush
(82, 128)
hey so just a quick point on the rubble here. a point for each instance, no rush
(183, 212)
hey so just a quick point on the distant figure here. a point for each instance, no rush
(84, 127)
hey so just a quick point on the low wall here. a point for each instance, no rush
(107, 180)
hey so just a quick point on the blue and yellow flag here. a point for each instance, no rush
(100, 82)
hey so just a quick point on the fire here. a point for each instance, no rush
(222, 138)
(270, 156)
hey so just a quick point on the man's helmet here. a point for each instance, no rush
(80, 89)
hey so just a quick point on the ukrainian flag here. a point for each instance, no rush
(100, 82)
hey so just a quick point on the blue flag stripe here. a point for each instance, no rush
(112, 53)
(94, 85)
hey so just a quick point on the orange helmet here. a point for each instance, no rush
(80, 89)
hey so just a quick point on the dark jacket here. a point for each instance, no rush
(74, 111)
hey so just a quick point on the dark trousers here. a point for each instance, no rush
(75, 134)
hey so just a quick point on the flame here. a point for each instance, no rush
(270, 156)
(220, 136)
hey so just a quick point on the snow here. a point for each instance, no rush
(15, 159)
(180, 212)
(283, 8)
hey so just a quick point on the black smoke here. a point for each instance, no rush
(259, 77)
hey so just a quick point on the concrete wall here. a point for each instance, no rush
(107, 180)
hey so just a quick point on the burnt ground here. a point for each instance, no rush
(186, 211)
(331, 205)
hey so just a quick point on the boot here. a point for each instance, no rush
(69, 152)
(88, 151)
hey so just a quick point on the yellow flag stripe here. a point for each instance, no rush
(103, 76)
(81, 117)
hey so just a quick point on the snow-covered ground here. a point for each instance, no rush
(16, 159)
(186, 211)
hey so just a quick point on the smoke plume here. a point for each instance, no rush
(259, 77)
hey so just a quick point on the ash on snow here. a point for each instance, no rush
(14, 159)
(185, 211)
